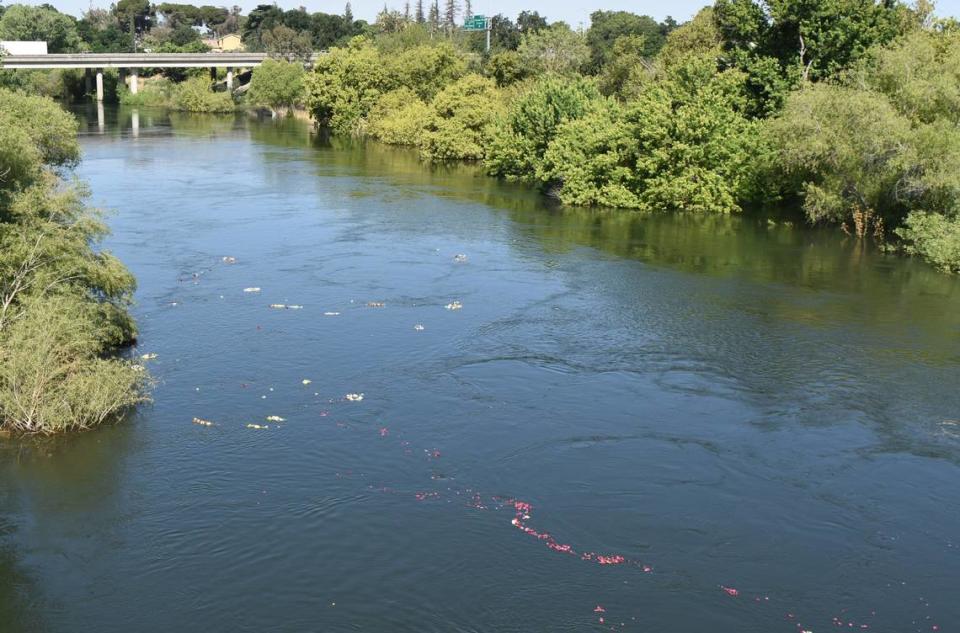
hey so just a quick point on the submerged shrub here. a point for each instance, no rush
(461, 122)
(934, 237)
(398, 118)
(52, 375)
(195, 95)
(155, 92)
(62, 304)
(348, 82)
(519, 143)
(277, 84)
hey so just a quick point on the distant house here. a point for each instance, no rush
(23, 48)
(226, 44)
(230, 43)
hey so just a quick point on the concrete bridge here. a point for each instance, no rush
(132, 62)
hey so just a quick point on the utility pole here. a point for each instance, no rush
(488, 35)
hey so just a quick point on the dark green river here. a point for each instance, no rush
(571, 420)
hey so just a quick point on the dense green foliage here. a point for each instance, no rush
(461, 120)
(883, 149)
(850, 108)
(532, 122)
(555, 49)
(22, 22)
(277, 84)
(62, 304)
(194, 95)
(348, 82)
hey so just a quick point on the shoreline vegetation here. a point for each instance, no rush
(63, 305)
(844, 109)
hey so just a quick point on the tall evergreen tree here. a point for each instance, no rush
(348, 15)
(406, 12)
(420, 16)
(435, 15)
(450, 14)
(467, 9)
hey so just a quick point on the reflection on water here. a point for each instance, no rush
(758, 418)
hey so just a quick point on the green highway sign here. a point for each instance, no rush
(475, 23)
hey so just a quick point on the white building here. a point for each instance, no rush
(23, 48)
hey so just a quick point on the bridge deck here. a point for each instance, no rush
(133, 60)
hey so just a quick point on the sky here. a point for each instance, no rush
(573, 13)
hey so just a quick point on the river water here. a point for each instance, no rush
(665, 423)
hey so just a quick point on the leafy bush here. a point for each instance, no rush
(155, 92)
(519, 143)
(854, 158)
(52, 377)
(683, 144)
(461, 124)
(506, 68)
(934, 237)
(194, 95)
(348, 82)
(919, 74)
(556, 49)
(277, 84)
(399, 118)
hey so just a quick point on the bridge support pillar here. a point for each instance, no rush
(99, 85)
(87, 83)
(134, 82)
(229, 78)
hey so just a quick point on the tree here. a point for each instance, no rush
(261, 19)
(697, 38)
(282, 42)
(277, 84)
(918, 74)
(782, 43)
(22, 22)
(504, 34)
(184, 35)
(435, 15)
(518, 145)
(398, 118)
(62, 303)
(390, 21)
(462, 120)
(684, 143)
(505, 67)
(100, 33)
(607, 26)
(134, 14)
(627, 69)
(450, 13)
(348, 14)
(420, 16)
(530, 22)
(346, 83)
(854, 160)
(327, 29)
(556, 49)
(298, 20)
